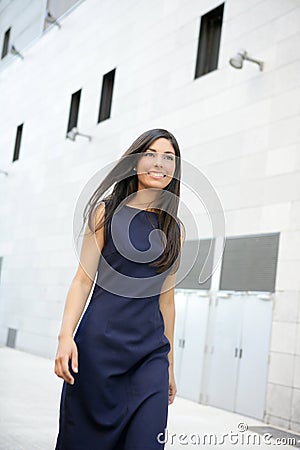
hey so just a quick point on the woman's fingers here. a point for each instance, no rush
(65, 370)
(172, 392)
(67, 350)
(75, 360)
(62, 369)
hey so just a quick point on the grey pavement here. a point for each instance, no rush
(30, 395)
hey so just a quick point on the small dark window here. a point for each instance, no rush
(209, 41)
(18, 142)
(74, 110)
(5, 44)
(106, 95)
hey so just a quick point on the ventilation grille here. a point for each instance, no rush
(194, 254)
(250, 263)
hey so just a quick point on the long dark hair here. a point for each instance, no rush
(168, 221)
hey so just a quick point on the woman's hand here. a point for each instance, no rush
(172, 386)
(66, 350)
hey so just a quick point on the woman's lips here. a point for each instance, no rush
(156, 174)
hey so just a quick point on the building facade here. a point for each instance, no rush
(111, 70)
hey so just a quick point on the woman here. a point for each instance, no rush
(118, 368)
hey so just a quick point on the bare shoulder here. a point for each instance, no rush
(98, 215)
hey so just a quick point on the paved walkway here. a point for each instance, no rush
(29, 404)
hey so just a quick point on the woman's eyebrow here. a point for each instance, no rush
(153, 149)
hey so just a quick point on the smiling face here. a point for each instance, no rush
(156, 166)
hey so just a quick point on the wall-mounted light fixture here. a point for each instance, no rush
(237, 61)
(72, 134)
(16, 52)
(50, 19)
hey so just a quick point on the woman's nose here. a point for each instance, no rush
(158, 160)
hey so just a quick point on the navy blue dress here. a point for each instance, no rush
(119, 400)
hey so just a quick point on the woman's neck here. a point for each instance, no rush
(143, 198)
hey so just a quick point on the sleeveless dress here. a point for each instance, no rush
(119, 399)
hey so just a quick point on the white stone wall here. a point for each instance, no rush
(240, 127)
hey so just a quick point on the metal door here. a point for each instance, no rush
(189, 341)
(254, 355)
(180, 307)
(193, 346)
(222, 356)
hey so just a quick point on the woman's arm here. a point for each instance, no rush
(167, 307)
(78, 294)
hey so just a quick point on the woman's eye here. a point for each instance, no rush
(168, 157)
